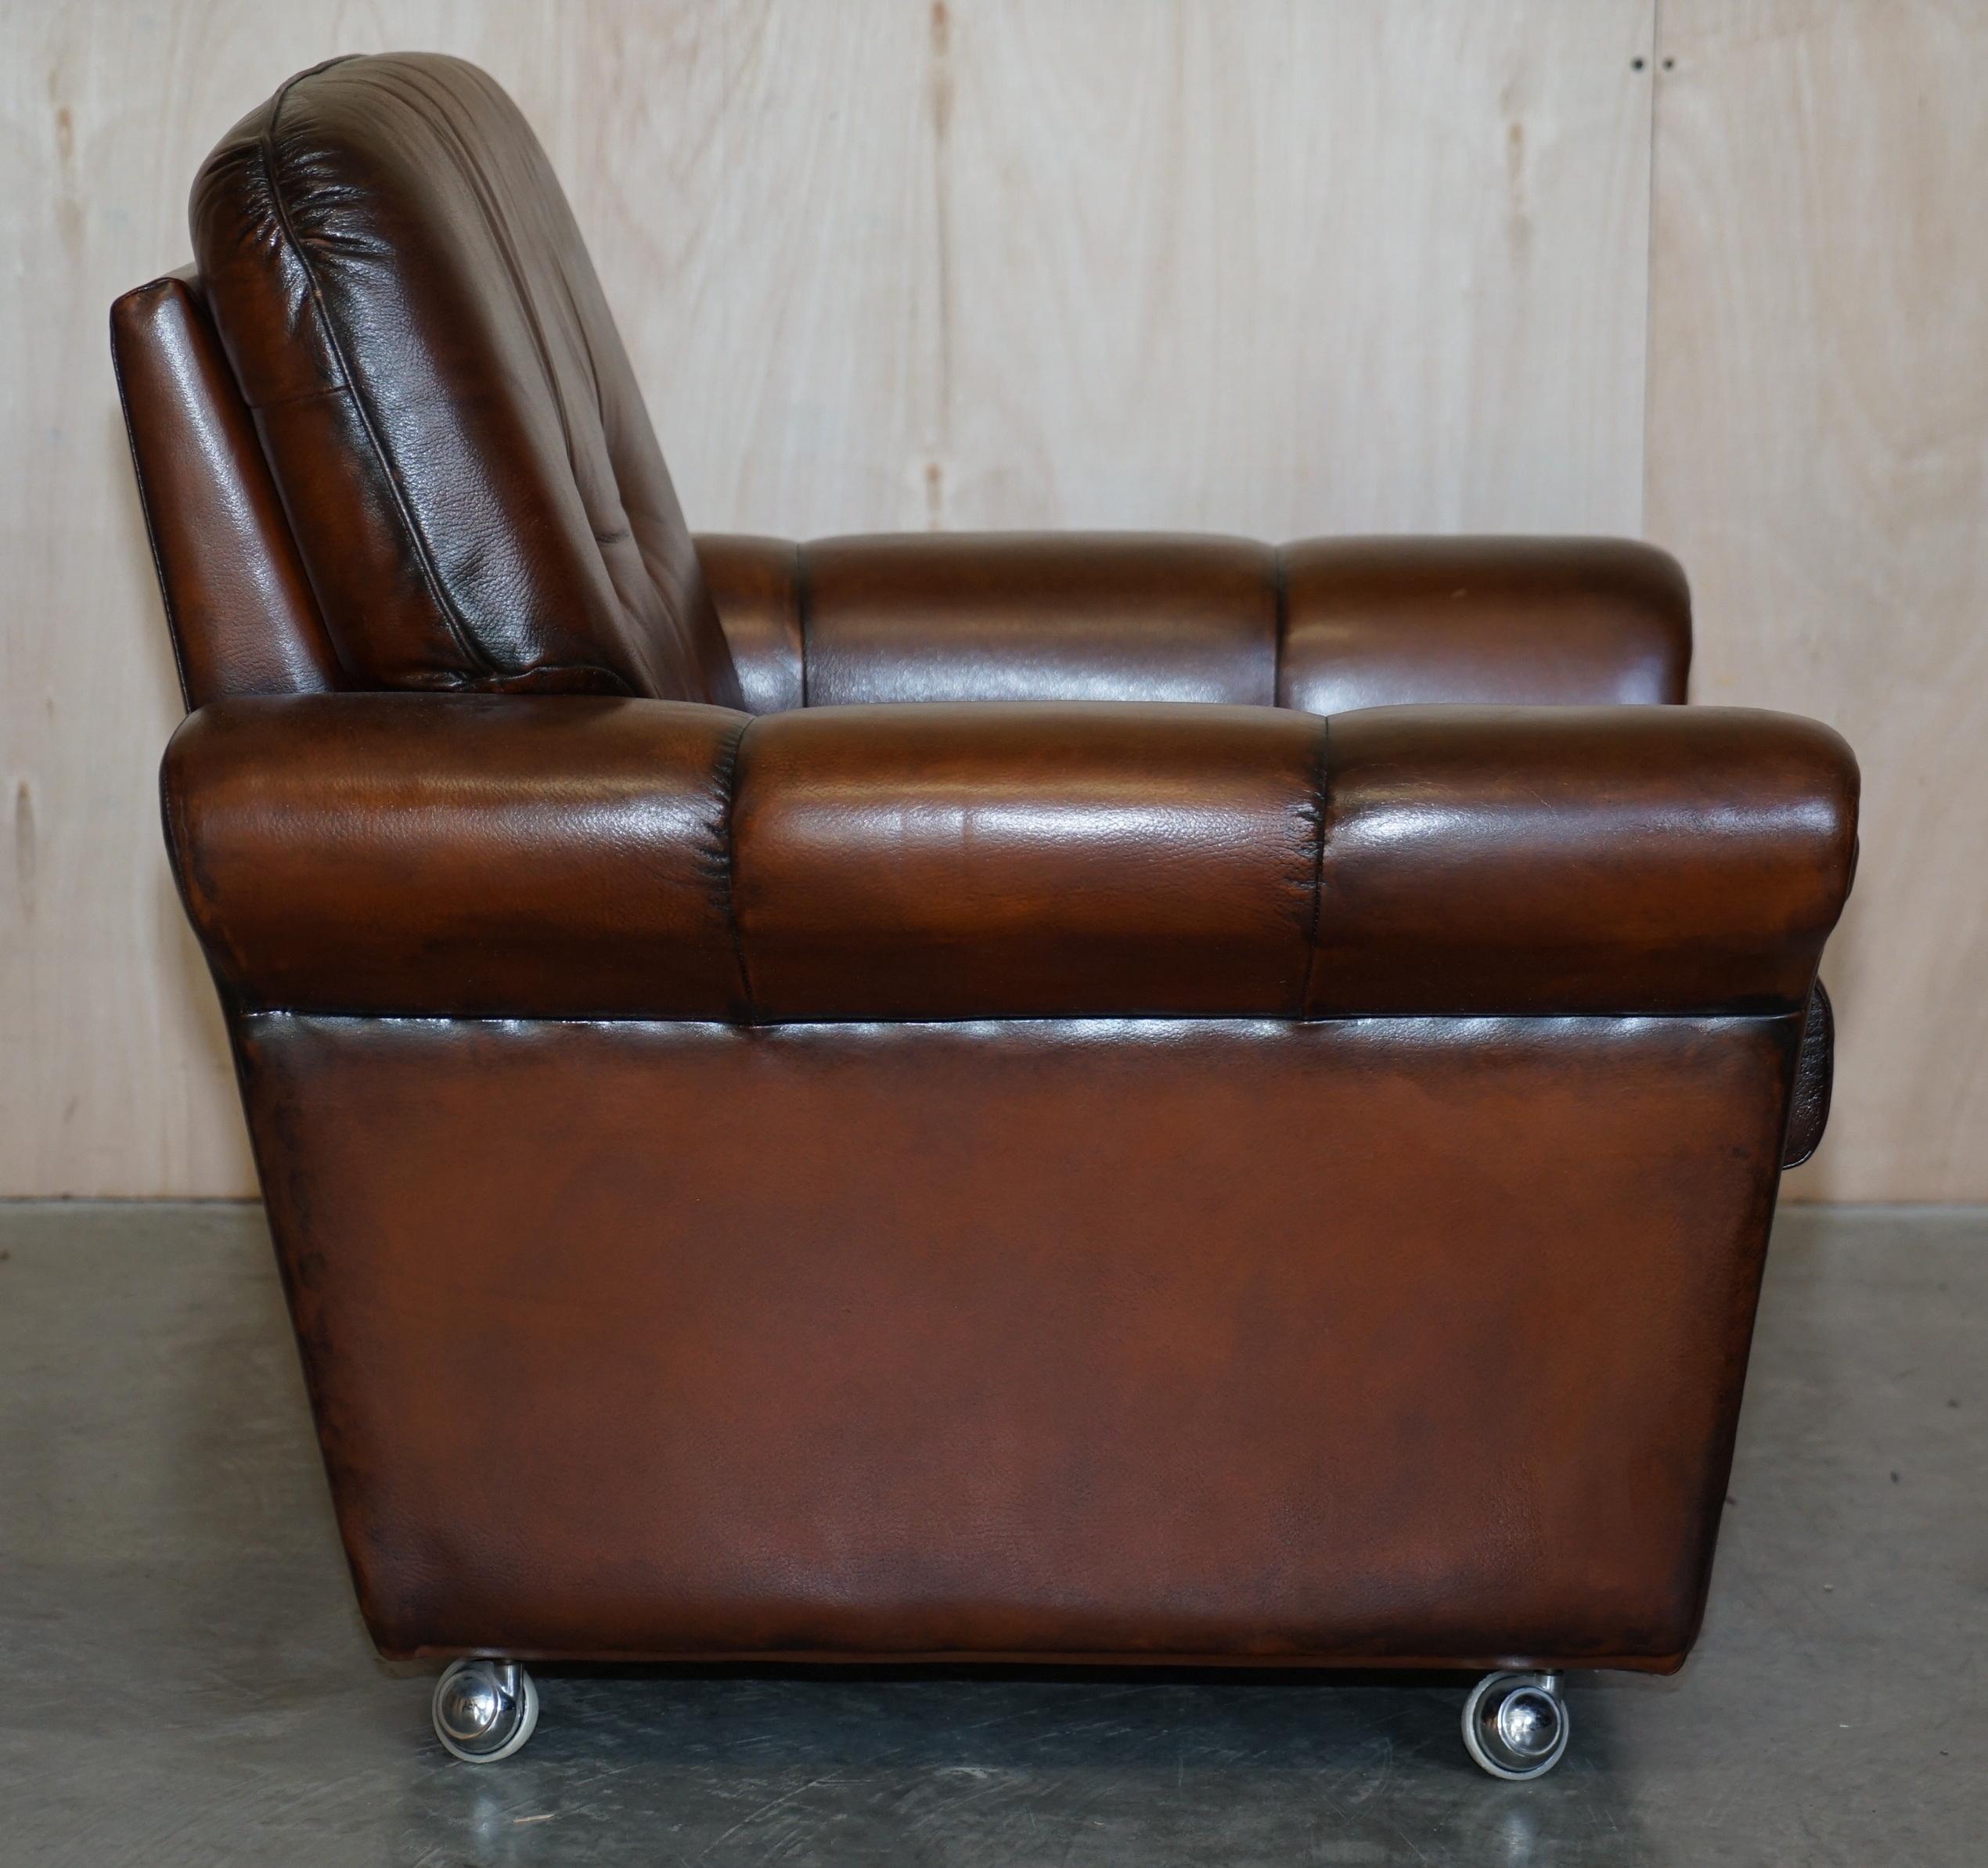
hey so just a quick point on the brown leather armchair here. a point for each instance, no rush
(1126, 1098)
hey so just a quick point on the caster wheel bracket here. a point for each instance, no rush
(484, 1710)
(1516, 1724)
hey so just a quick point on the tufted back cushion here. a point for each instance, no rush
(447, 407)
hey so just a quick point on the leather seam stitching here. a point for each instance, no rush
(1321, 780)
(323, 393)
(473, 650)
(728, 778)
(800, 596)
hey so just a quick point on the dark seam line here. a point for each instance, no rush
(621, 686)
(429, 575)
(1320, 780)
(1283, 611)
(800, 596)
(145, 506)
(728, 788)
(340, 388)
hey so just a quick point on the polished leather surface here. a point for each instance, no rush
(474, 854)
(569, 858)
(445, 401)
(238, 602)
(1006, 860)
(1574, 859)
(755, 583)
(1325, 625)
(1040, 617)
(1396, 1340)
(1815, 1072)
(1568, 622)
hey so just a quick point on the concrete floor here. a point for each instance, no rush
(183, 1678)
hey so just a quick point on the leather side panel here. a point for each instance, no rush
(239, 604)
(1412, 1341)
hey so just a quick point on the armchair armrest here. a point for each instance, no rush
(459, 854)
(1324, 625)
(1497, 622)
(572, 857)
(1568, 860)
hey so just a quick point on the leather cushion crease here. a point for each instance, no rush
(1049, 1097)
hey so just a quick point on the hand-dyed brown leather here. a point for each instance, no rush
(238, 603)
(1403, 1340)
(474, 855)
(443, 395)
(927, 1322)
(435, 855)
(1815, 1070)
(755, 583)
(993, 860)
(1566, 622)
(1573, 859)
(1040, 617)
(1325, 625)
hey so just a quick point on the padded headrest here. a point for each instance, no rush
(445, 402)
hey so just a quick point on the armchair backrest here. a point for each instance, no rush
(447, 414)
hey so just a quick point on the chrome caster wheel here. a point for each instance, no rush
(1515, 1725)
(484, 1710)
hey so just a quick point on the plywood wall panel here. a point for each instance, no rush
(1818, 457)
(1290, 269)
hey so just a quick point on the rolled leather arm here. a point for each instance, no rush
(574, 858)
(1324, 625)
(1580, 860)
(1503, 622)
(472, 855)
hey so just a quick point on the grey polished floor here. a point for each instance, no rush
(183, 1679)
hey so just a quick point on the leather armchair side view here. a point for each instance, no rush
(1110, 1098)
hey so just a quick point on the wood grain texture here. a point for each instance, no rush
(1261, 264)
(1818, 458)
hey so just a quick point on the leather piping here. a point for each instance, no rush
(144, 499)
